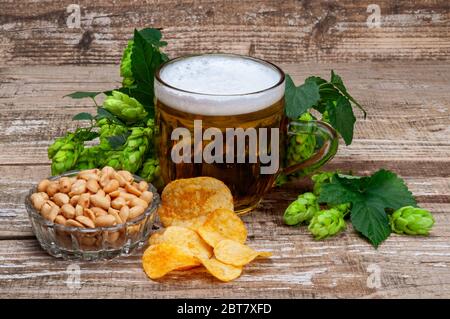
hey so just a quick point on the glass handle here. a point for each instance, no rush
(310, 145)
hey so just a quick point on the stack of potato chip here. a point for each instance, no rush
(201, 229)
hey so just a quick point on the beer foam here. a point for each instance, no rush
(217, 84)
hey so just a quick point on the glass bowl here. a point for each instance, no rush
(75, 243)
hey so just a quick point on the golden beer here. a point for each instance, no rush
(226, 94)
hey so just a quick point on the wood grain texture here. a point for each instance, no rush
(36, 32)
(301, 267)
(407, 131)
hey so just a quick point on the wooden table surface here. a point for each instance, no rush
(407, 130)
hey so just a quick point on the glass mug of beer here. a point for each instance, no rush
(222, 115)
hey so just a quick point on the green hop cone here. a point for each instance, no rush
(321, 179)
(108, 129)
(64, 153)
(125, 66)
(300, 146)
(343, 208)
(301, 210)
(113, 159)
(135, 148)
(326, 223)
(151, 170)
(411, 221)
(89, 158)
(126, 108)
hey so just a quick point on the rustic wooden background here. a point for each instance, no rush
(400, 72)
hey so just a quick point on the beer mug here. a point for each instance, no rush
(222, 115)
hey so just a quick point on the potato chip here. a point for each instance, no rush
(162, 258)
(223, 224)
(187, 202)
(185, 238)
(233, 253)
(156, 238)
(220, 270)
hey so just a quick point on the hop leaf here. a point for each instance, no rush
(369, 196)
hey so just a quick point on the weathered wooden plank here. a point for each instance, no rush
(432, 193)
(408, 116)
(300, 267)
(290, 31)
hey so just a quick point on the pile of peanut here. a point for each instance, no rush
(93, 198)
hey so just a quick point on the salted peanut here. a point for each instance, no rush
(124, 213)
(100, 201)
(74, 223)
(101, 192)
(84, 200)
(115, 213)
(137, 202)
(73, 179)
(127, 176)
(107, 171)
(95, 171)
(79, 210)
(78, 188)
(133, 190)
(122, 181)
(99, 211)
(65, 184)
(47, 207)
(52, 188)
(68, 211)
(122, 190)
(143, 186)
(104, 180)
(74, 200)
(60, 219)
(92, 185)
(110, 210)
(114, 194)
(89, 213)
(105, 221)
(128, 196)
(147, 196)
(86, 221)
(112, 186)
(52, 203)
(38, 200)
(118, 202)
(136, 211)
(42, 186)
(61, 199)
(89, 174)
(51, 213)
(113, 236)
(88, 241)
